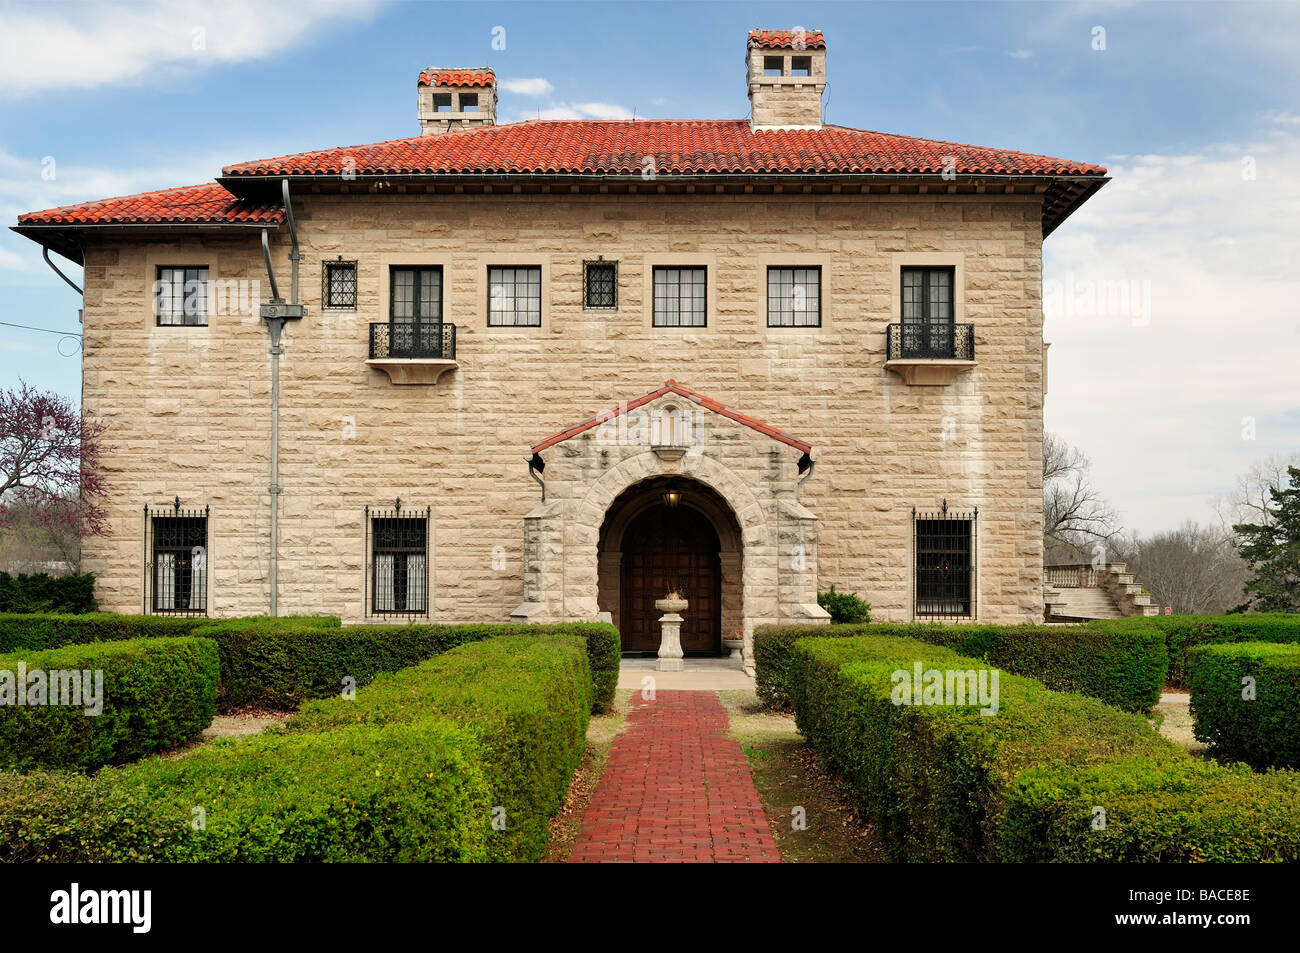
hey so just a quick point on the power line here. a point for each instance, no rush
(28, 327)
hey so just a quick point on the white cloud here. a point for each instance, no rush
(62, 46)
(577, 111)
(1020, 54)
(528, 87)
(1159, 406)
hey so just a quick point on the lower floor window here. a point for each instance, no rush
(943, 548)
(177, 570)
(399, 566)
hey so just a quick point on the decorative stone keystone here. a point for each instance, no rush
(670, 645)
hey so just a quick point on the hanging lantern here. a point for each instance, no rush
(672, 496)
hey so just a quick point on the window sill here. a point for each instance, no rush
(928, 372)
(413, 370)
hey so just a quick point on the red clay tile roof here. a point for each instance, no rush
(677, 146)
(192, 204)
(458, 77)
(787, 39)
(671, 386)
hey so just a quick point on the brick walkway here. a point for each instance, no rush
(676, 787)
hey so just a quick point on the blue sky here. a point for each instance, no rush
(1182, 99)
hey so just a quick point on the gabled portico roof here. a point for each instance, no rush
(671, 386)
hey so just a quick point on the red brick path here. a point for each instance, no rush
(676, 788)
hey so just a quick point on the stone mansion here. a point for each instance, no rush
(547, 370)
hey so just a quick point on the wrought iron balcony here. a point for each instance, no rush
(398, 340)
(927, 341)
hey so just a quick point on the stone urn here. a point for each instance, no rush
(736, 645)
(670, 623)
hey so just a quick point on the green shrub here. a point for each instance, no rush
(410, 771)
(1124, 668)
(52, 630)
(933, 778)
(1262, 728)
(279, 663)
(1155, 811)
(412, 792)
(1182, 632)
(947, 783)
(526, 696)
(151, 694)
(844, 607)
(41, 592)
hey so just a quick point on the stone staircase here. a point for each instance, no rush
(1076, 592)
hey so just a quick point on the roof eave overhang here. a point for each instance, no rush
(1067, 191)
(64, 238)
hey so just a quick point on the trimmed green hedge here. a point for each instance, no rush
(410, 771)
(1123, 668)
(280, 663)
(528, 704)
(52, 630)
(1263, 730)
(1182, 632)
(151, 694)
(41, 592)
(948, 783)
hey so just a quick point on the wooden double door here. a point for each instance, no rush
(667, 548)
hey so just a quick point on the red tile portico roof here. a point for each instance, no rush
(479, 76)
(672, 387)
(677, 146)
(193, 204)
(787, 39)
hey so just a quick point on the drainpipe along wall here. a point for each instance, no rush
(276, 312)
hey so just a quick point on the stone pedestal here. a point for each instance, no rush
(670, 644)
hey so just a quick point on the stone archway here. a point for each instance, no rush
(648, 547)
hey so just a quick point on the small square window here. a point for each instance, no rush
(469, 102)
(773, 65)
(442, 102)
(181, 296)
(600, 284)
(515, 296)
(801, 66)
(340, 285)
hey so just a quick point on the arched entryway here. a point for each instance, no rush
(649, 548)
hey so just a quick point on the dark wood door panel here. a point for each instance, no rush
(666, 549)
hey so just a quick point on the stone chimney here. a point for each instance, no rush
(787, 75)
(450, 99)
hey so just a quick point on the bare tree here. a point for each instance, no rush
(1075, 517)
(1248, 501)
(1192, 568)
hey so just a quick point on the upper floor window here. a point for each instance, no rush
(399, 562)
(442, 102)
(801, 66)
(794, 297)
(469, 102)
(340, 281)
(181, 295)
(515, 296)
(600, 284)
(773, 65)
(927, 312)
(177, 575)
(944, 564)
(680, 297)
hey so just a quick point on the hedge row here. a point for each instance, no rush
(40, 592)
(53, 630)
(1123, 668)
(1051, 776)
(1257, 721)
(280, 663)
(141, 696)
(1182, 632)
(528, 704)
(382, 778)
